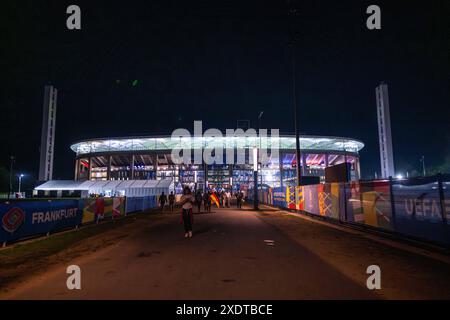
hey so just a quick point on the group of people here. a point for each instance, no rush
(204, 198)
(188, 200)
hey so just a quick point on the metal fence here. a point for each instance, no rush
(20, 219)
(418, 208)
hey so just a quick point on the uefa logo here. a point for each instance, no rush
(13, 219)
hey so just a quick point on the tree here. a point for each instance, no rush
(4, 179)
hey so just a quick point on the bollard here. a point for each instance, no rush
(48, 233)
(4, 244)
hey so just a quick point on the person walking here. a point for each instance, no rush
(239, 197)
(162, 201)
(198, 200)
(228, 198)
(186, 202)
(222, 198)
(171, 201)
(207, 201)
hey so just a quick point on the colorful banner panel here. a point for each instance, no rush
(311, 199)
(420, 208)
(28, 218)
(290, 197)
(376, 204)
(369, 203)
(101, 208)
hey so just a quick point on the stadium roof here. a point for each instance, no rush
(284, 142)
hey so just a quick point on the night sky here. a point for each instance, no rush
(220, 61)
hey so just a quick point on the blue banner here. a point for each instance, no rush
(279, 197)
(419, 213)
(20, 219)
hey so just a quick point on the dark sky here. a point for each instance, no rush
(219, 61)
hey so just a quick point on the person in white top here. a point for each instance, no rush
(187, 200)
(228, 198)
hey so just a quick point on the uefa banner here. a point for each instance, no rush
(420, 213)
(279, 196)
(28, 218)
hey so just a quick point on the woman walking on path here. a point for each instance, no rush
(186, 202)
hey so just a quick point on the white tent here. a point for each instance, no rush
(128, 188)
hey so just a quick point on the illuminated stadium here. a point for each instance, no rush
(149, 158)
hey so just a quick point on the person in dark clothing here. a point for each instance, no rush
(239, 197)
(221, 198)
(162, 200)
(198, 200)
(207, 201)
(171, 201)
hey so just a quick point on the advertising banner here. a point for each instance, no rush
(101, 208)
(311, 199)
(27, 218)
(376, 204)
(354, 203)
(290, 197)
(299, 198)
(418, 212)
(279, 197)
(270, 196)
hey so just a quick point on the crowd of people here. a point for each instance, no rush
(203, 199)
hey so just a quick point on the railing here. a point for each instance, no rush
(418, 208)
(31, 218)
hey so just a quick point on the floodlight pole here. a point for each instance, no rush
(259, 134)
(293, 13)
(11, 159)
(255, 178)
(20, 181)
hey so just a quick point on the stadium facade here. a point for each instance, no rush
(150, 158)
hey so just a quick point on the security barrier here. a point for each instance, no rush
(418, 208)
(24, 219)
(140, 203)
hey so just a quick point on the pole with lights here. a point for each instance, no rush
(20, 181)
(259, 134)
(293, 14)
(255, 178)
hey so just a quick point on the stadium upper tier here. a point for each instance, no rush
(160, 143)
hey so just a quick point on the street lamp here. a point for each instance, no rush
(20, 180)
(255, 178)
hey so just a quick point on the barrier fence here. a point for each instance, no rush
(418, 208)
(23, 219)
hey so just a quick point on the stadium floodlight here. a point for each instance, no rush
(20, 180)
